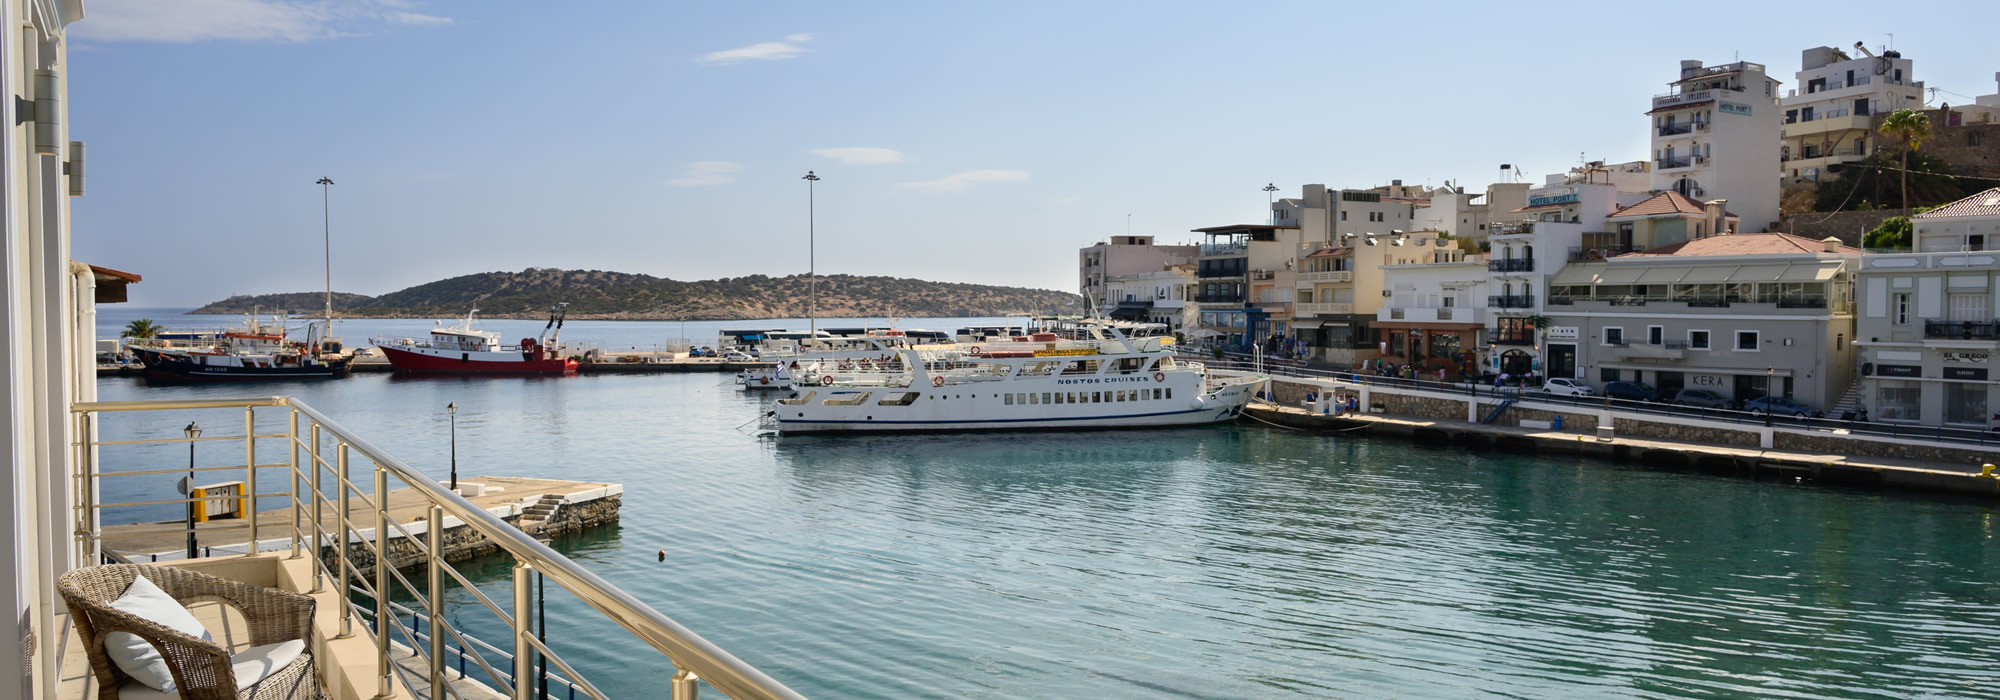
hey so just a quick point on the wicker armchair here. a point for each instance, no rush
(201, 669)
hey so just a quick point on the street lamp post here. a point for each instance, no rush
(326, 222)
(193, 432)
(812, 273)
(452, 410)
(1770, 373)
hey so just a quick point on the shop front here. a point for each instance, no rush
(1430, 347)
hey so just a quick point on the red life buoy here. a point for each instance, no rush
(1159, 376)
(763, 380)
(937, 381)
(976, 350)
(827, 379)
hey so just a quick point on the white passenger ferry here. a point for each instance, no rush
(1086, 375)
(842, 349)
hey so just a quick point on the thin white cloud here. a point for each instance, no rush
(861, 155)
(764, 51)
(964, 180)
(707, 172)
(184, 21)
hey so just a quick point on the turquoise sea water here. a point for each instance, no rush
(1231, 562)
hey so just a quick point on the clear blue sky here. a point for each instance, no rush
(988, 140)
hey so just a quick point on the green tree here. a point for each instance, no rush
(1893, 232)
(142, 329)
(1912, 128)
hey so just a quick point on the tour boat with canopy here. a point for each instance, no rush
(251, 351)
(462, 349)
(1078, 375)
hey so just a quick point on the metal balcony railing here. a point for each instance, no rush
(1711, 301)
(1219, 298)
(1962, 330)
(1504, 338)
(1678, 128)
(1814, 301)
(1511, 265)
(1511, 301)
(345, 522)
(1590, 253)
(1674, 162)
(1327, 276)
(1224, 248)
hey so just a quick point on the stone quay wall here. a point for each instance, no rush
(1964, 458)
(1699, 434)
(462, 542)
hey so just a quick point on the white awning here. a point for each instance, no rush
(1716, 274)
(1305, 325)
(1620, 275)
(1578, 273)
(1663, 275)
(1811, 273)
(1758, 273)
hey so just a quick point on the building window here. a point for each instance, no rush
(1972, 138)
(1697, 340)
(1343, 216)
(1902, 307)
(1747, 340)
(1614, 335)
(1861, 146)
(1965, 404)
(1656, 335)
(1607, 375)
(1839, 342)
(1898, 399)
(1967, 307)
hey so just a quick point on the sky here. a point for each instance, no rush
(958, 142)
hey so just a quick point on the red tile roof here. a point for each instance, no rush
(1983, 204)
(1663, 203)
(1743, 244)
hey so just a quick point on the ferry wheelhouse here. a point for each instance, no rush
(1082, 375)
(462, 349)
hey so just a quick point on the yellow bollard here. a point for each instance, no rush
(1987, 470)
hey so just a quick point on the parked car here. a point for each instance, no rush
(1703, 398)
(739, 357)
(1631, 391)
(1567, 387)
(1779, 406)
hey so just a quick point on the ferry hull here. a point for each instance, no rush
(1223, 404)
(473, 362)
(179, 367)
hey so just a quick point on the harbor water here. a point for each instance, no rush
(1225, 562)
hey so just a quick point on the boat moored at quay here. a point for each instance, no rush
(253, 351)
(462, 349)
(1085, 375)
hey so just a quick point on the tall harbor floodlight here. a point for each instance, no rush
(812, 274)
(1271, 193)
(326, 221)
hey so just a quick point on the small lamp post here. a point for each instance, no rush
(1770, 374)
(193, 432)
(452, 410)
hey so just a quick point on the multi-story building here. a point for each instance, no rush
(1828, 117)
(1341, 289)
(1743, 315)
(1097, 264)
(1927, 327)
(1451, 210)
(1230, 260)
(1435, 314)
(1160, 296)
(1329, 220)
(1715, 135)
(1537, 241)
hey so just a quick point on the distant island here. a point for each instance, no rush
(598, 294)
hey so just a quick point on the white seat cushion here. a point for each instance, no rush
(133, 654)
(251, 666)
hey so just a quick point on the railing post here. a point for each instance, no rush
(524, 611)
(340, 544)
(292, 471)
(384, 687)
(686, 685)
(434, 543)
(319, 516)
(250, 479)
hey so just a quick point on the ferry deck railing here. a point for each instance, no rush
(328, 503)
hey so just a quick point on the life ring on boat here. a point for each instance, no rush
(763, 380)
(937, 381)
(976, 350)
(825, 380)
(1159, 376)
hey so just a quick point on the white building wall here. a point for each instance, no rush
(1737, 151)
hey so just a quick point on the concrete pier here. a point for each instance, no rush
(550, 506)
(1745, 461)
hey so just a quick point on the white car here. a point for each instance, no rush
(1567, 387)
(739, 357)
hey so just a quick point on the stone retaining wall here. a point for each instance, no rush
(1703, 435)
(1572, 422)
(1968, 459)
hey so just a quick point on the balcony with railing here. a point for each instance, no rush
(1516, 228)
(1594, 253)
(1511, 265)
(1326, 276)
(1962, 330)
(1225, 248)
(1680, 128)
(1673, 162)
(396, 631)
(1219, 298)
(1263, 274)
(1511, 301)
(1513, 338)
(1339, 308)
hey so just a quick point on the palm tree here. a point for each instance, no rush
(1913, 128)
(142, 329)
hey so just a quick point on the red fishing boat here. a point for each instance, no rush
(462, 349)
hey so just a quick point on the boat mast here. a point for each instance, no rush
(812, 273)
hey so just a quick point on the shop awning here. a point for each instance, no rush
(1663, 275)
(1757, 273)
(1714, 274)
(1578, 273)
(1810, 273)
(1620, 275)
(1305, 325)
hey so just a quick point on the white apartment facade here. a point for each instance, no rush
(1099, 263)
(1451, 210)
(1927, 331)
(1161, 296)
(1537, 241)
(1829, 115)
(1435, 315)
(1715, 135)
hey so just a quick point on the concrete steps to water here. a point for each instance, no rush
(541, 512)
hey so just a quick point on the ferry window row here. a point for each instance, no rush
(1060, 397)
